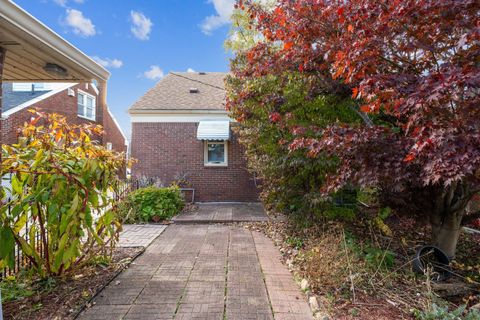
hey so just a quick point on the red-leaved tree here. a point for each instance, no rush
(413, 67)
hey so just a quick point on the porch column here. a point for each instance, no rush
(102, 101)
(3, 53)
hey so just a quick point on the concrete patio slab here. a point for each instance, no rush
(204, 271)
(224, 213)
(139, 235)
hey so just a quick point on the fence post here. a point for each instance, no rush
(1, 312)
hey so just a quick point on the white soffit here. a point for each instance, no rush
(213, 130)
(32, 48)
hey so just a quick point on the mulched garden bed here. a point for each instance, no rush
(64, 298)
(316, 254)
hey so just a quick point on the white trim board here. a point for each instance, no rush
(175, 117)
(152, 112)
(31, 102)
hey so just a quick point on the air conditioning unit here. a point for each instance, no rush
(71, 92)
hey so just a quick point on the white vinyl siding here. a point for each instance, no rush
(30, 86)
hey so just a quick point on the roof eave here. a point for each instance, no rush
(25, 23)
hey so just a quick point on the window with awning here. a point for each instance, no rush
(214, 135)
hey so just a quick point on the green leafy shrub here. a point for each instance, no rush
(295, 242)
(292, 182)
(376, 257)
(61, 180)
(14, 290)
(437, 312)
(151, 204)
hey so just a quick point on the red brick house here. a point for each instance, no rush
(181, 131)
(78, 102)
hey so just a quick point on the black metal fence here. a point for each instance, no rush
(19, 259)
(123, 187)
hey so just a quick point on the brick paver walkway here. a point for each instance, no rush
(139, 235)
(224, 213)
(204, 271)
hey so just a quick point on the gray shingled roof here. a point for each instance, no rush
(11, 98)
(173, 92)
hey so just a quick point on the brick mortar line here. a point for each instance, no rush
(263, 275)
(226, 276)
(179, 302)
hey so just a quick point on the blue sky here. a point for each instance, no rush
(139, 40)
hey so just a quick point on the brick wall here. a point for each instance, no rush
(171, 150)
(113, 134)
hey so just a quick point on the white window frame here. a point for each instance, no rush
(84, 105)
(205, 153)
(109, 146)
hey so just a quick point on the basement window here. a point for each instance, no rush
(86, 105)
(216, 153)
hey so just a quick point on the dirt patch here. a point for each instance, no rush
(64, 298)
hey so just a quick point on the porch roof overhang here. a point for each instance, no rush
(213, 130)
(35, 53)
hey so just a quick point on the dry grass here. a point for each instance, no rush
(326, 262)
(336, 259)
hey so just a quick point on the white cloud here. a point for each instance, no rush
(224, 9)
(108, 63)
(142, 26)
(190, 70)
(80, 24)
(154, 73)
(63, 3)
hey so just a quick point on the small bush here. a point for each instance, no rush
(61, 179)
(376, 257)
(14, 290)
(151, 204)
(295, 242)
(437, 312)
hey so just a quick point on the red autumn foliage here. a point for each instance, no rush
(413, 65)
(275, 117)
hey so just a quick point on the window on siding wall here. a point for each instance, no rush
(86, 105)
(109, 146)
(216, 153)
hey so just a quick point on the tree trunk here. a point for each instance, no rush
(445, 234)
(446, 219)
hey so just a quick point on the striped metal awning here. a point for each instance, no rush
(213, 130)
